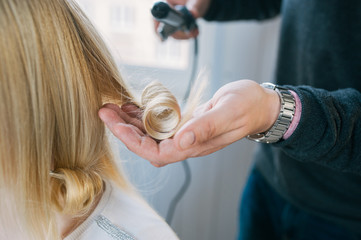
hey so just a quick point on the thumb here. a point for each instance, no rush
(201, 129)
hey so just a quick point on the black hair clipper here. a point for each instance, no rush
(172, 19)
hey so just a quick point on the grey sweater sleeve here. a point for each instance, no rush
(228, 10)
(329, 131)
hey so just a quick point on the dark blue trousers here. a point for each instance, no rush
(264, 214)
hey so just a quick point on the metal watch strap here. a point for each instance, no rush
(287, 111)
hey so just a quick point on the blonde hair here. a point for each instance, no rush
(55, 74)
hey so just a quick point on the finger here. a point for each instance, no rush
(111, 118)
(169, 153)
(156, 25)
(158, 154)
(202, 109)
(135, 113)
(126, 117)
(203, 128)
(222, 141)
(113, 107)
(133, 139)
(180, 35)
(217, 143)
(135, 142)
(132, 110)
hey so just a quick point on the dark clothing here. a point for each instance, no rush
(265, 215)
(319, 167)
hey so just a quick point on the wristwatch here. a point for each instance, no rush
(287, 111)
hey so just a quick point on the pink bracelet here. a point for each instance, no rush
(296, 117)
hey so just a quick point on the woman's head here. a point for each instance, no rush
(55, 74)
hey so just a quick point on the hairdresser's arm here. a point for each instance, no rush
(229, 10)
(235, 111)
(329, 130)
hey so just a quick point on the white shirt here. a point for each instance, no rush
(122, 215)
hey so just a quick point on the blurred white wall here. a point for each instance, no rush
(209, 209)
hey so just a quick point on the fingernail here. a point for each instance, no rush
(187, 140)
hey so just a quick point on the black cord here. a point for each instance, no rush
(187, 181)
(187, 171)
(194, 71)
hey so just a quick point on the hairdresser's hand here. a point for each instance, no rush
(235, 111)
(196, 7)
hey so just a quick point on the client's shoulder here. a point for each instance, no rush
(123, 214)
